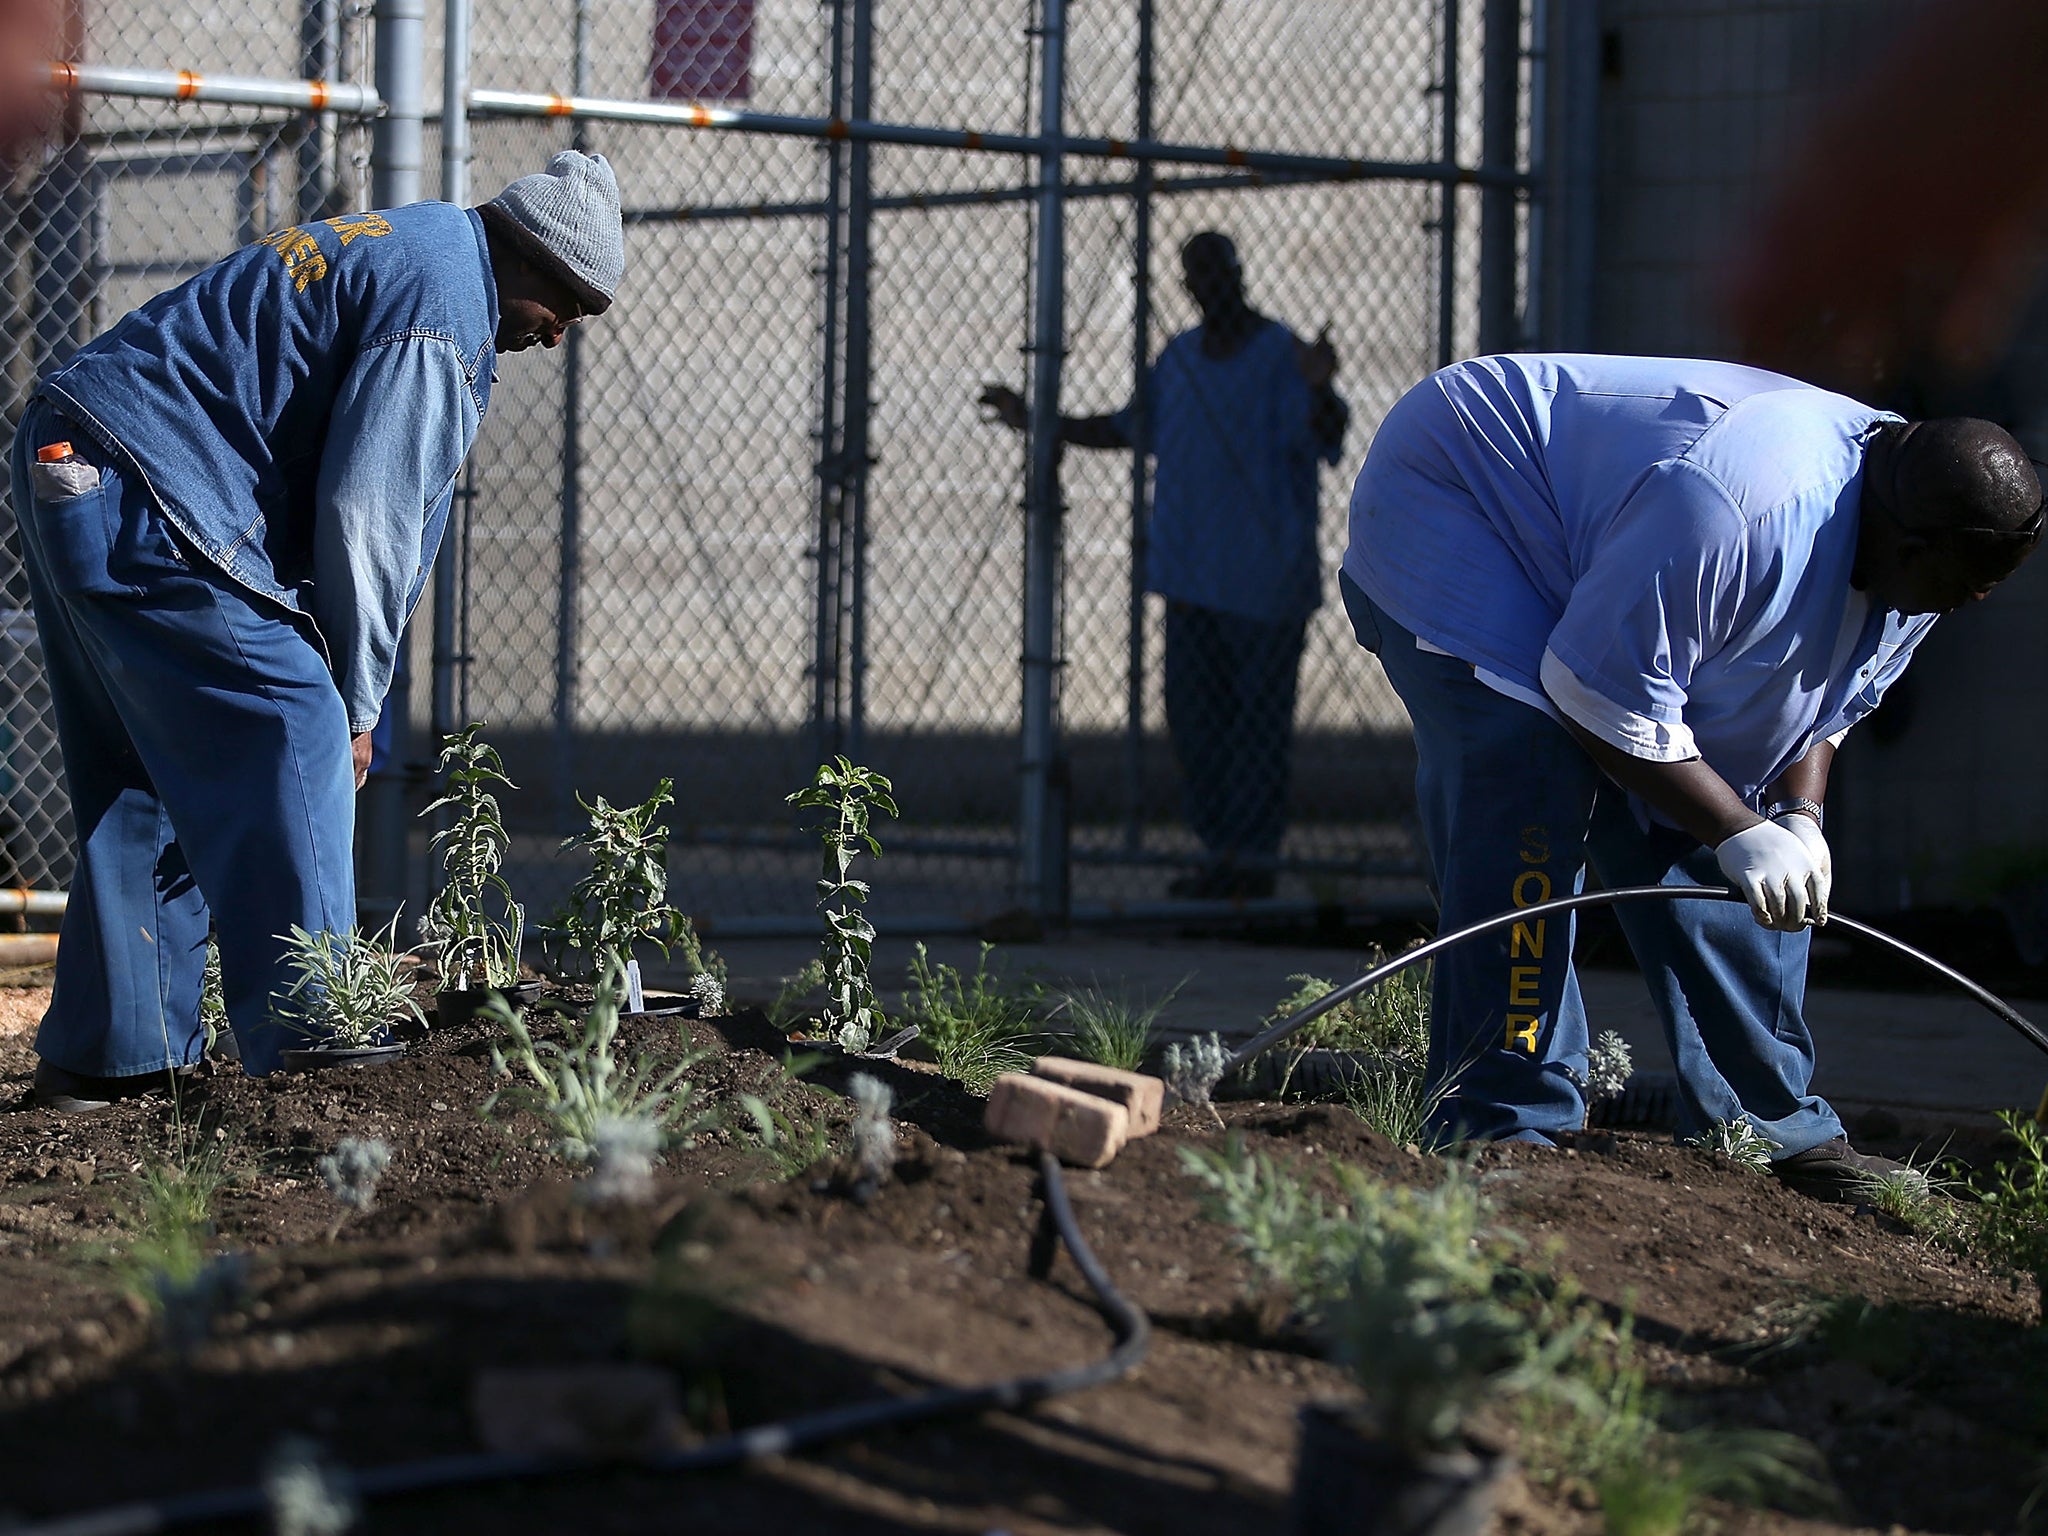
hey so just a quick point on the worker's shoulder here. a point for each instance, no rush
(1784, 447)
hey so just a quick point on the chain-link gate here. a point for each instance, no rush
(753, 515)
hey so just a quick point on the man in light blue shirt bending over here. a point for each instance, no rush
(1242, 412)
(1632, 605)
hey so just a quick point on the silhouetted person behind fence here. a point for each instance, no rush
(1241, 411)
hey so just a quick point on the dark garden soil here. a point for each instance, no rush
(419, 1328)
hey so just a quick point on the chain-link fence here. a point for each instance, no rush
(754, 515)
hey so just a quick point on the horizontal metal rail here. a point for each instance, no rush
(733, 119)
(17, 902)
(975, 197)
(347, 97)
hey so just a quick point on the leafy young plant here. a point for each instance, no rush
(168, 1263)
(1113, 1031)
(580, 1089)
(2012, 1220)
(853, 796)
(348, 988)
(1608, 1065)
(624, 898)
(353, 1170)
(977, 1026)
(1386, 1030)
(477, 948)
(213, 999)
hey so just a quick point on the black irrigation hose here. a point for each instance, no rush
(1133, 1332)
(1266, 1039)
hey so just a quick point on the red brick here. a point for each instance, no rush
(1075, 1127)
(1142, 1097)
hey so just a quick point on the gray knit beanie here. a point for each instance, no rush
(567, 219)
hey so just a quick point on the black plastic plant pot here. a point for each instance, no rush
(315, 1058)
(457, 1005)
(1350, 1482)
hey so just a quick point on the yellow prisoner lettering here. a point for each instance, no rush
(300, 253)
(1527, 936)
(1522, 1032)
(350, 227)
(1522, 983)
(1531, 879)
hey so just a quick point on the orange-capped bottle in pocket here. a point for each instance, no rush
(59, 473)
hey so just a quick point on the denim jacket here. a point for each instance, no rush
(299, 412)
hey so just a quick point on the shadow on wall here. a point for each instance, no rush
(958, 778)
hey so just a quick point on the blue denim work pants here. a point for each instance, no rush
(1512, 811)
(206, 753)
(1229, 684)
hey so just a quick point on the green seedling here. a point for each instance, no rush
(624, 898)
(794, 992)
(2012, 1214)
(795, 1140)
(977, 1026)
(168, 1263)
(1740, 1142)
(1113, 1031)
(478, 947)
(348, 988)
(853, 797)
(593, 1105)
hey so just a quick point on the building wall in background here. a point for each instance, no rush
(1938, 798)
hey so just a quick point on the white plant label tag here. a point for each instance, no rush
(636, 1000)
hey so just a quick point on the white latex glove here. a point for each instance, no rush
(1807, 830)
(1776, 872)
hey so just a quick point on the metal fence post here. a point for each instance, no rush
(859, 366)
(1567, 116)
(1447, 207)
(448, 658)
(1041, 829)
(1500, 144)
(568, 593)
(395, 166)
(1141, 449)
(825, 670)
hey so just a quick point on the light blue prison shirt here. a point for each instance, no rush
(1658, 548)
(1234, 492)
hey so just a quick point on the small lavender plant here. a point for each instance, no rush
(1608, 1065)
(623, 1150)
(709, 992)
(874, 1134)
(1740, 1142)
(1194, 1070)
(307, 1496)
(353, 1170)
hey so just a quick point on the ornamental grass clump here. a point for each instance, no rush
(624, 898)
(479, 947)
(852, 797)
(593, 1105)
(977, 1025)
(1113, 1031)
(348, 988)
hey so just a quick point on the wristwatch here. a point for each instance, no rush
(1787, 807)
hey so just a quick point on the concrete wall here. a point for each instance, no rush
(1938, 799)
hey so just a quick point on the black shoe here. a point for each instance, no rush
(73, 1093)
(1835, 1171)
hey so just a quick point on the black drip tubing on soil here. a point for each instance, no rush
(1267, 1038)
(1132, 1328)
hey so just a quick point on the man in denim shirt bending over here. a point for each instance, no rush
(228, 507)
(1242, 412)
(1632, 604)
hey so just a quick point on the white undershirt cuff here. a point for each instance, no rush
(1655, 741)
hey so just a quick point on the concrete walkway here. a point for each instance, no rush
(1922, 1051)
